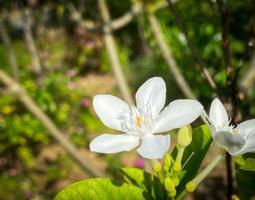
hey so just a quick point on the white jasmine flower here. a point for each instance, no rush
(236, 140)
(140, 124)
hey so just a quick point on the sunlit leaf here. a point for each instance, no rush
(151, 185)
(100, 189)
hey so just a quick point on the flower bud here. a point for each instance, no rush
(184, 136)
(156, 166)
(169, 184)
(167, 162)
(172, 193)
(176, 181)
(190, 186)
(177, 167)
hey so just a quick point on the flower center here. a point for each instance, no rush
(138, 121)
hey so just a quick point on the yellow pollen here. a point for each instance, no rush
(138, 121)
(234, 131)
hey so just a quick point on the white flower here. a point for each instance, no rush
(237, 140)
(140, 124)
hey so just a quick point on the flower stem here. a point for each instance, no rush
(179, 155)
(208, 169)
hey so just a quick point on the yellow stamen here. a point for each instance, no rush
(138, 121)
(234, 131)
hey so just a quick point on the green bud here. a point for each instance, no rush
(184, 136)
(190, 186)
(172, 193)
(176, 181)
(169, 184)
(167, 162)
(156, 166)
(177, 167)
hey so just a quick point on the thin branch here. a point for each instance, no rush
(27, 22)
(191, 46)
(115, 24)
(168, 57)
(246, 80)
(11, 55)
(231, 88)
(29, 103)
(249, 77)
(112, 52)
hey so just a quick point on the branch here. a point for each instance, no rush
(28, 102)
(249, 77)
(223, 9)
(37, 68)
(194, 52)
(115, 24)
(112, 52)
(169, 59)
(11, 55)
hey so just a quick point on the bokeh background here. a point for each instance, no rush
(55, 51)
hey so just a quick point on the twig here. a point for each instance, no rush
(192, 48)
(11, 55)
(231, 87)
(168, 57)
(37, 68)
(249, 77)
(115, 24)
(112, 52)
(28, 102)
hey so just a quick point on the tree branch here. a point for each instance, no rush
(37, 68)
(194, 52)
(168, 57)
(11, 55)
(28, 102)
(112, 52)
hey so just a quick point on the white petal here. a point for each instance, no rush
(108, 143)
(152, 95)
(249, 146)
(154, 146)
(247, 130)
(218, 114)
(246, 127)
(177, 114)
(110, 110)
(229, 141)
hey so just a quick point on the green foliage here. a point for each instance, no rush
(194, 155)
(150, 184)
(245, 175)
(100, 189)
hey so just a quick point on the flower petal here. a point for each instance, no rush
(218, 114)
(110, 110)
(154, 146)
(247, 130)
(177, 114)
(108, 143)
(249, 146)
(246, 127)
(229, 141)
(152, 95)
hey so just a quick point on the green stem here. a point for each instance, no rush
(207, 170)
(179, 155)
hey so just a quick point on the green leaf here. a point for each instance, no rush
(100, 189)
(245, 176)
(245, 183)
(150, 184)
(194, 155)
(245, 163)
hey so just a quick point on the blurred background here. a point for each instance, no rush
(56, 55)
